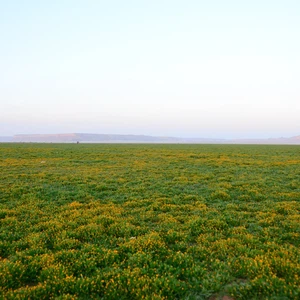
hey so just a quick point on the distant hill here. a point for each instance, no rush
(5, 139)
(88, 137)
(130, 138)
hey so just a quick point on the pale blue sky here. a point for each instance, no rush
(180, 68)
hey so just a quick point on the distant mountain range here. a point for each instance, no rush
(130, 138)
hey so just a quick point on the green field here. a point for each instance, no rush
(98, 221)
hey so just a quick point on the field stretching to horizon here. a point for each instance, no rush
(134, 221)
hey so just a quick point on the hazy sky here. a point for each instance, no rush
(162, 67)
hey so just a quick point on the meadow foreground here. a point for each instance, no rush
(99, 221)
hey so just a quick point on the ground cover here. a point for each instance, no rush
(98, 221)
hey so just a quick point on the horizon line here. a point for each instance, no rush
(146, 135)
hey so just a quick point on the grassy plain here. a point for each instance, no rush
(98, 221)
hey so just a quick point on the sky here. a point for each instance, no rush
(193, 68)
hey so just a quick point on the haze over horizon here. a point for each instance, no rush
(218, 69)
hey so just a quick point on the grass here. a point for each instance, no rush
(98, 221)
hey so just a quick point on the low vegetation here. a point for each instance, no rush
(149, 221)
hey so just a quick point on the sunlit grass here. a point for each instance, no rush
(149, 221)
